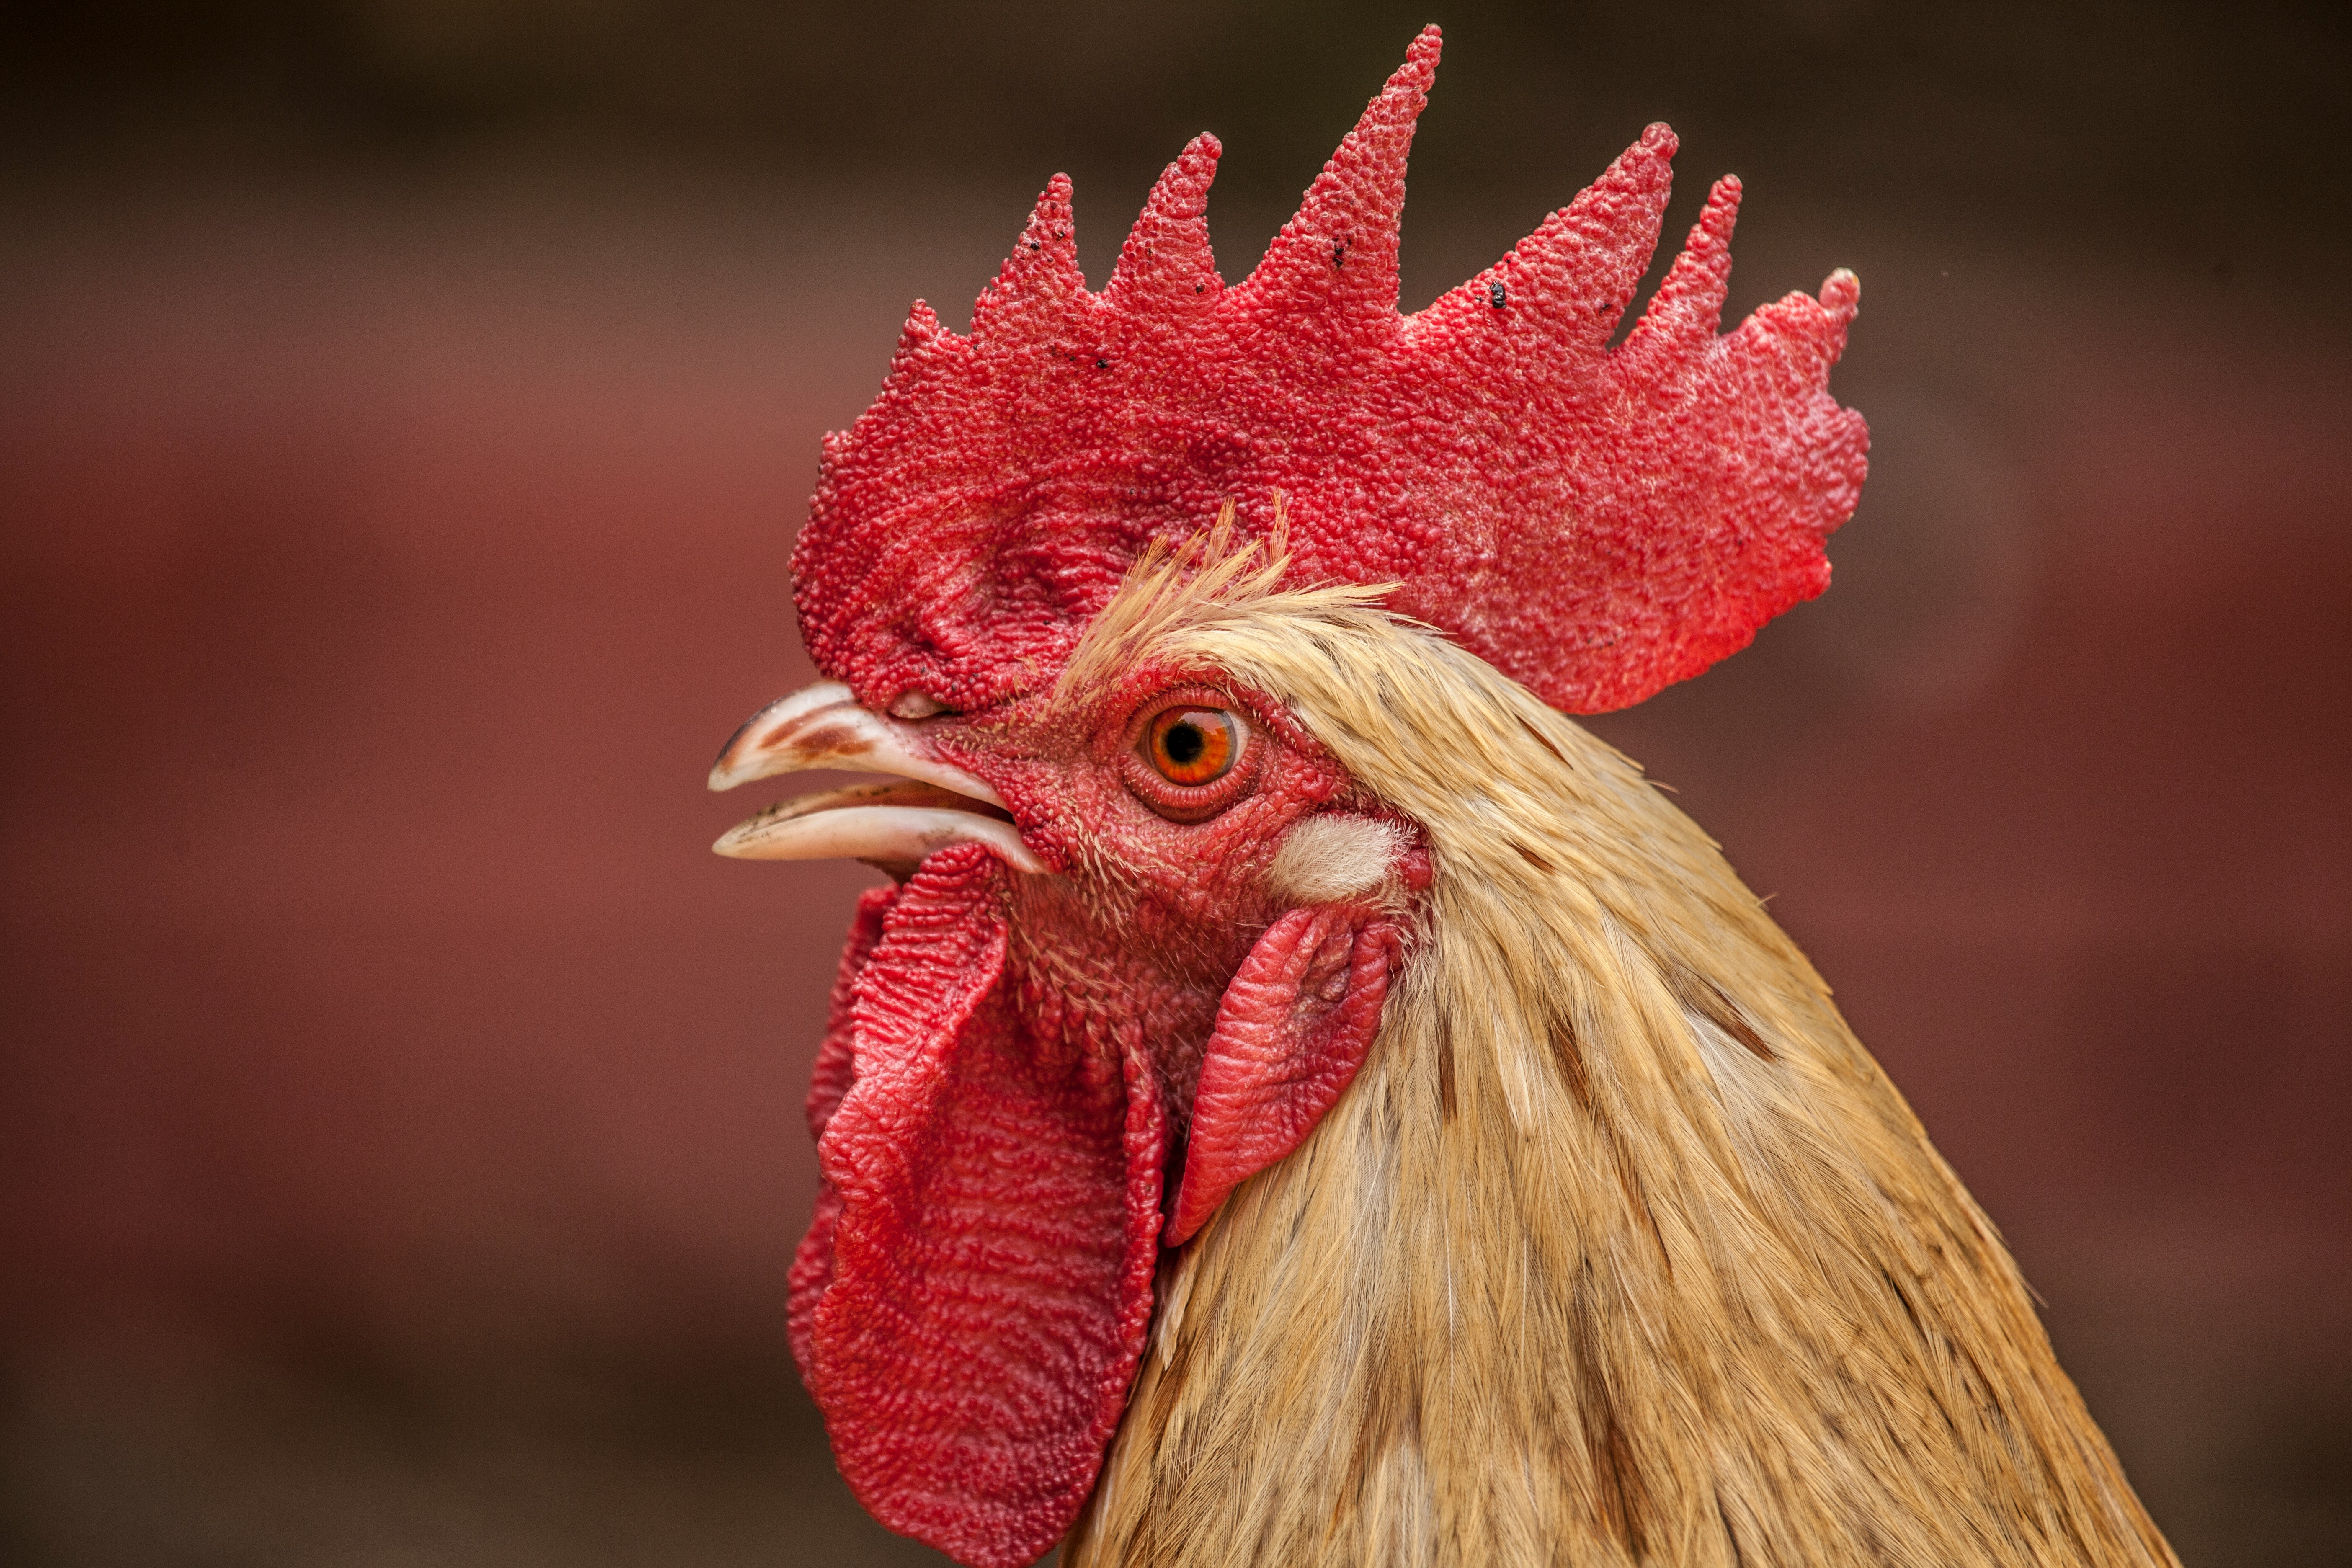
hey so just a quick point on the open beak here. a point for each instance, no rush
(933, 805)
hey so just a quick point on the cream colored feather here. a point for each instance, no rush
(1621, 1248)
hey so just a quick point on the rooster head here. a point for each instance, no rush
(1142, 926)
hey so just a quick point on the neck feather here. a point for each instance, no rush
(1621, 1248)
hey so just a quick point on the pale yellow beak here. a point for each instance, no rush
(935, 804)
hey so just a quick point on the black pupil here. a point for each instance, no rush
(1185, 743)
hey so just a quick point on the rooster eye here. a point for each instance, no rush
(1193, 746)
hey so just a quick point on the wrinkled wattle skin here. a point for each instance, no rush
(975, 1144)
(995, 1104)
(1010, 1073)
(1291, 1033)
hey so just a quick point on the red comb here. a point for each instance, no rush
(1596, 523)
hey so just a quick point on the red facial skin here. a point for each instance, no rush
(1154, 914)
(1142, 878)
(1002, 1094)
(1008, 1079)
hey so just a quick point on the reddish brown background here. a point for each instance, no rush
(405, 412)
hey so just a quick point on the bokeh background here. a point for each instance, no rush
(406, 409)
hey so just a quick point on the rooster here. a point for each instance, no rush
(1301, 1098)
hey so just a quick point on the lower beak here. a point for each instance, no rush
(821, 726)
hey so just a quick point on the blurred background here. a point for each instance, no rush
(405, 410)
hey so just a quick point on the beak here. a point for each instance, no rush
(821, 726)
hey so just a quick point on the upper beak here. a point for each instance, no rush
(821, 726)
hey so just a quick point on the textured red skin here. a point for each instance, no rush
(969, 1303)
(1596, 523)
(973, 1337)
(1105, 988)
(1292, 1031)
(836, 1069)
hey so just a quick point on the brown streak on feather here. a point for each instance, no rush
(1444, 1070)
(1702, 995)
(1568, 1057)
(1638, 1201)
(1620, 1493)
(1730, 1536)
(1904, 1297)
(1544, 741)
(1388, 1416)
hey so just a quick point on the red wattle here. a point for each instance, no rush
(835, 1070)
(1292, 1030)
(991, 1241)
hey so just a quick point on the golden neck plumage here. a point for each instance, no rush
(1620, 1250)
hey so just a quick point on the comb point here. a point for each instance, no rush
(1167, 253)
(1341, 247)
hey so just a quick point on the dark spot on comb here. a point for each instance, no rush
(1497, 296)
(1102, 364)
(1200, 288)
(1339, 253)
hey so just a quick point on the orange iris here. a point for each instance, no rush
(1193, 745)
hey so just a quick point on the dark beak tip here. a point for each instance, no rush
(718, 764)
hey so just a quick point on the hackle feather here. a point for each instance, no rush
(1621, 1248)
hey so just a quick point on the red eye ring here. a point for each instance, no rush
(1193, 745)
(1189, 753)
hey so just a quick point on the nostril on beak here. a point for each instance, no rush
(913, 705)
(821, 726)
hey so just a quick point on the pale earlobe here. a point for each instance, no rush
(1334, 855)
